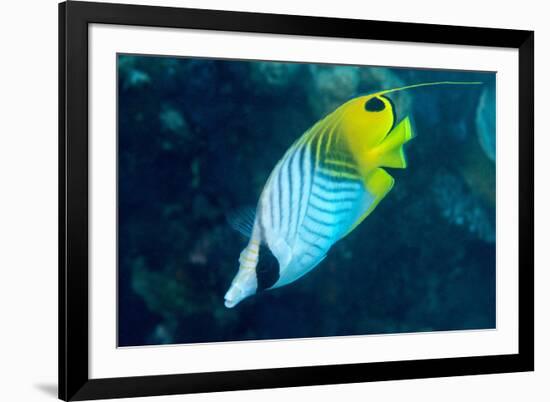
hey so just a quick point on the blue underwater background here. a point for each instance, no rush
(198, 138)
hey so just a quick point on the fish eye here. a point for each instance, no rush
(374, 105)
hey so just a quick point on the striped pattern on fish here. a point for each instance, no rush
(312, 198)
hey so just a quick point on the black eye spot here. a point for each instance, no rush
(374, 105)
(267, 270)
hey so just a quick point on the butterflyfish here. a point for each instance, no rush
(323, 187)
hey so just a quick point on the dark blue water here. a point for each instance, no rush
(198, 138)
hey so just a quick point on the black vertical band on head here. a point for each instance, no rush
(267, 270)
(394, 118)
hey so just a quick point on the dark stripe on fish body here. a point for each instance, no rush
(342, 155)
(332, 200)
(339, 179)
(311, 168)
(313, 232)
(290, 190)
(267, 270)
(337, 168)
(315, 256)
(322, 140)
(314, 245)
(337, 189)
(314, 144)
(301, 152)
(320, 221)
(331, 142)
(327, 211)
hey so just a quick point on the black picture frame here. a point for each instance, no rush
(74, 19)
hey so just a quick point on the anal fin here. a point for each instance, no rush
(378, 184)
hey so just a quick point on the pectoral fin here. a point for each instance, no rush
(390, 151)
(242, 220)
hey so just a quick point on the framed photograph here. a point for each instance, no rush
(255, 201)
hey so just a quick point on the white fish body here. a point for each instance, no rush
(314, 196)
(304, 210)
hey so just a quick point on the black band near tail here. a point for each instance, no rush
(267, 270)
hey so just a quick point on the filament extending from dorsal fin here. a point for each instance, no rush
(427, 84)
